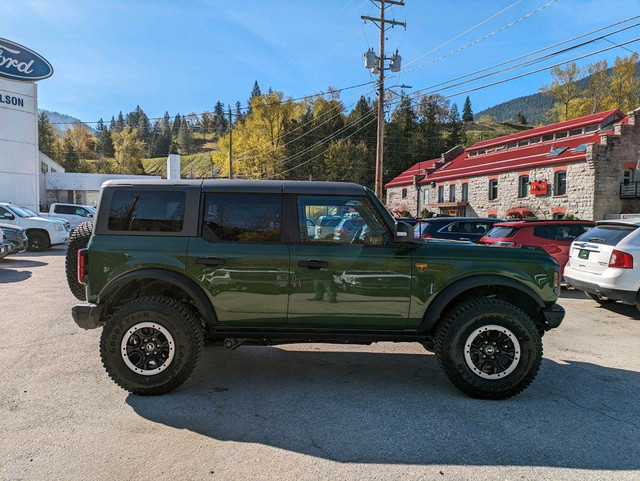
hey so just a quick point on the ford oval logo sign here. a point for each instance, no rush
(20, 63)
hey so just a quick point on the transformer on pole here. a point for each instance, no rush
(377, 66)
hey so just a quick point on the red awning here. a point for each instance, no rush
(519, 212)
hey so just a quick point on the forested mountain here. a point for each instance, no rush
(61, 122)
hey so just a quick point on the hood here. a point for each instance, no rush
(6, 226)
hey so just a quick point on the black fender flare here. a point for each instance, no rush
(202, 302)
(442, 300)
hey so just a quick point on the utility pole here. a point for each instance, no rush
(230, 145)
(377, 65)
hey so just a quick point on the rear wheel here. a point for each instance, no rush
(600, 299)
(151, 345)
(38, 241)
(488, 348)
(79, 240)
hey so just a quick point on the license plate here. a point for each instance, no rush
(583, 254)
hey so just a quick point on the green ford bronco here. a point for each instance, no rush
(170, 264)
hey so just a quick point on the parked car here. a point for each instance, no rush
(455, 228)
(311, 228)
(4, 246)
(601, 262)
(552, 236)
(76, 214)
(42, 233)
(483, 311)
(326, 225)
(66, 223)
(348, 228)
(16, 238)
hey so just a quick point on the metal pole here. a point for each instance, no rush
(380, 135)
(230, 145)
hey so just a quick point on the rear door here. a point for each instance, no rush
(591, 251)
(240, 259)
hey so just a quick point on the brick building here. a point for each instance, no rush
(586, 167)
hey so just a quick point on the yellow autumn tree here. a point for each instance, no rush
(258, 142)
(625, 83)
(563, 90)
(82, 140)
(129, 149)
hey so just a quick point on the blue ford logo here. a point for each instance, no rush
(20, 63)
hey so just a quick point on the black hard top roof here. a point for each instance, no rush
(254, 186)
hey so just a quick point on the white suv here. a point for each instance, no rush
(604, 262)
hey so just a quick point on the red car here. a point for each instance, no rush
(552, 236)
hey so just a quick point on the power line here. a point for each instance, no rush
(477, 40)
(465, 32)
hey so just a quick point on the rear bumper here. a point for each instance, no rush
(553, 316)
(87, 316)
(627, 297)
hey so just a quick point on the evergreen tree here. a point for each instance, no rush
(521, 119)
(220, 123)
(456, 129)
(239, 114)
(255, 92)
(143, 127)
(112, 124)
(119, 124)
(184, 138)
(46, 135)
(175, 127)
(104, 143)
(71, 161)
(133, 118)
(467, 114)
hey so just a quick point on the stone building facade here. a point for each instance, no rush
(586, 167)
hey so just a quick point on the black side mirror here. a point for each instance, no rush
(403, 232)
(9, 216)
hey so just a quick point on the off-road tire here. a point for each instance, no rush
(600, 299)
(458, 325)
(38, 241)
(173, 316)
(79, 240)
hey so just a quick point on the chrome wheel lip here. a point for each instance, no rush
(501, 374)
(147, 325)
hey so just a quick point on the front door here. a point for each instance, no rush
(240, 259)
(357, 278)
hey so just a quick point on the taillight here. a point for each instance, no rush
(319, 231)
(621, 260)
(82, 265)
(341, 230)
(425, 236)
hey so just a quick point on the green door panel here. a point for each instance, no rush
(360, 286)
(250, 288)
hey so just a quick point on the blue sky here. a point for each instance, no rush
(183, 56)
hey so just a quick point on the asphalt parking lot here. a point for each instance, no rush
(308, 411)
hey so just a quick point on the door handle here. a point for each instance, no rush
(465, 238)
(313, 264)
(210, 261)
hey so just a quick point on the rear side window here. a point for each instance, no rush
(64, 209)
(243, 217)
(566, 233)
(147, 211)
(502, 232)
(330, 221)
(609, 235)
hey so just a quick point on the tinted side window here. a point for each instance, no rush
(243, 217)
(147, 211)
(64, 209)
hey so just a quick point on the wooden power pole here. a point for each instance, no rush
(230, 145)
(380, 68)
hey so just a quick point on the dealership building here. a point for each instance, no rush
(587, 167)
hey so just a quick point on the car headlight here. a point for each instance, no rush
(58, 227)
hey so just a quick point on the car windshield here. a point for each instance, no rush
(20, 212)
(91, 209)
(608, 234)
(30, 212)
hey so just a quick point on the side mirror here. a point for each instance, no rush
(9, 216)
(90, 215)
(403, 232)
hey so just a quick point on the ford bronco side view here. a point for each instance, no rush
(168, 264)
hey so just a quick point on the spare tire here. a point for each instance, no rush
(79, 240)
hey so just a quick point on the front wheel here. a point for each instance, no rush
(151, 345)
(38, 241)
(488, 348)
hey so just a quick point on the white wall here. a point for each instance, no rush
(19, 159)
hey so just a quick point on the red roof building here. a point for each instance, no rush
(585, 167)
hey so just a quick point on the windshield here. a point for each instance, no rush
(91, 209)
(19, 211)
(30, 212)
